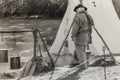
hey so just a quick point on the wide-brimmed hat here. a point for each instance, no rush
(78, 6)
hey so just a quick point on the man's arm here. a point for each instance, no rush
(76, 25)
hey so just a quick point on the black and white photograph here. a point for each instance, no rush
(59, 39)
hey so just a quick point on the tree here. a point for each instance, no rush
(9, 7)
(42, 8)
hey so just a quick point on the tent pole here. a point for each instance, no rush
(105, 75)
(35, 41)
(104, 43)
(81, 1)
(60, 51)
(63, 44)
(52, 62)
(13, 31)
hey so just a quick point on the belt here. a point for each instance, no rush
(86, 31)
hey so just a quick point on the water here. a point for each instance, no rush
(21, 44)
(28, 24)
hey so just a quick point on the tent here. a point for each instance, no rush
(65, 26)
(106, 22)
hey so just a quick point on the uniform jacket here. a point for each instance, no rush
(82, 22)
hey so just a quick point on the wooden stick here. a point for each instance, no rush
(35, 42)
(52, 62)
(104, 42)
(13, 31)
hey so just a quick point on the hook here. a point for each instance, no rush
(103, 48)
(14, 40)
(2, 37)
(94, 4)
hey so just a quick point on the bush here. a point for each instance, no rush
(42, 8)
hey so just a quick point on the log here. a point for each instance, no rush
(27, 68)
(32, 70)
(35, 66)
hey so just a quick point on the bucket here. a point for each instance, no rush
(15, 63)
(3, 56)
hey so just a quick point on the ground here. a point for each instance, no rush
(91, 73)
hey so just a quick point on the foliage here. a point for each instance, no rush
(41, 8)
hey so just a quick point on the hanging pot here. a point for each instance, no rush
(15, 63)
(3, 55)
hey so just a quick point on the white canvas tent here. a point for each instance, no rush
(106, 22)
(65, 26)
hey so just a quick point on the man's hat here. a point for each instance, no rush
(78, 6)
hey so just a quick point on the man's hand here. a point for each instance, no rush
(75, 39)
(90, 40)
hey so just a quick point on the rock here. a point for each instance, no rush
(102, 63)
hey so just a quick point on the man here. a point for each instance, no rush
(81, 34)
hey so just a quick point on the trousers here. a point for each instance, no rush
(80, 49)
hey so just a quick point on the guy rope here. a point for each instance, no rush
(104, 43)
